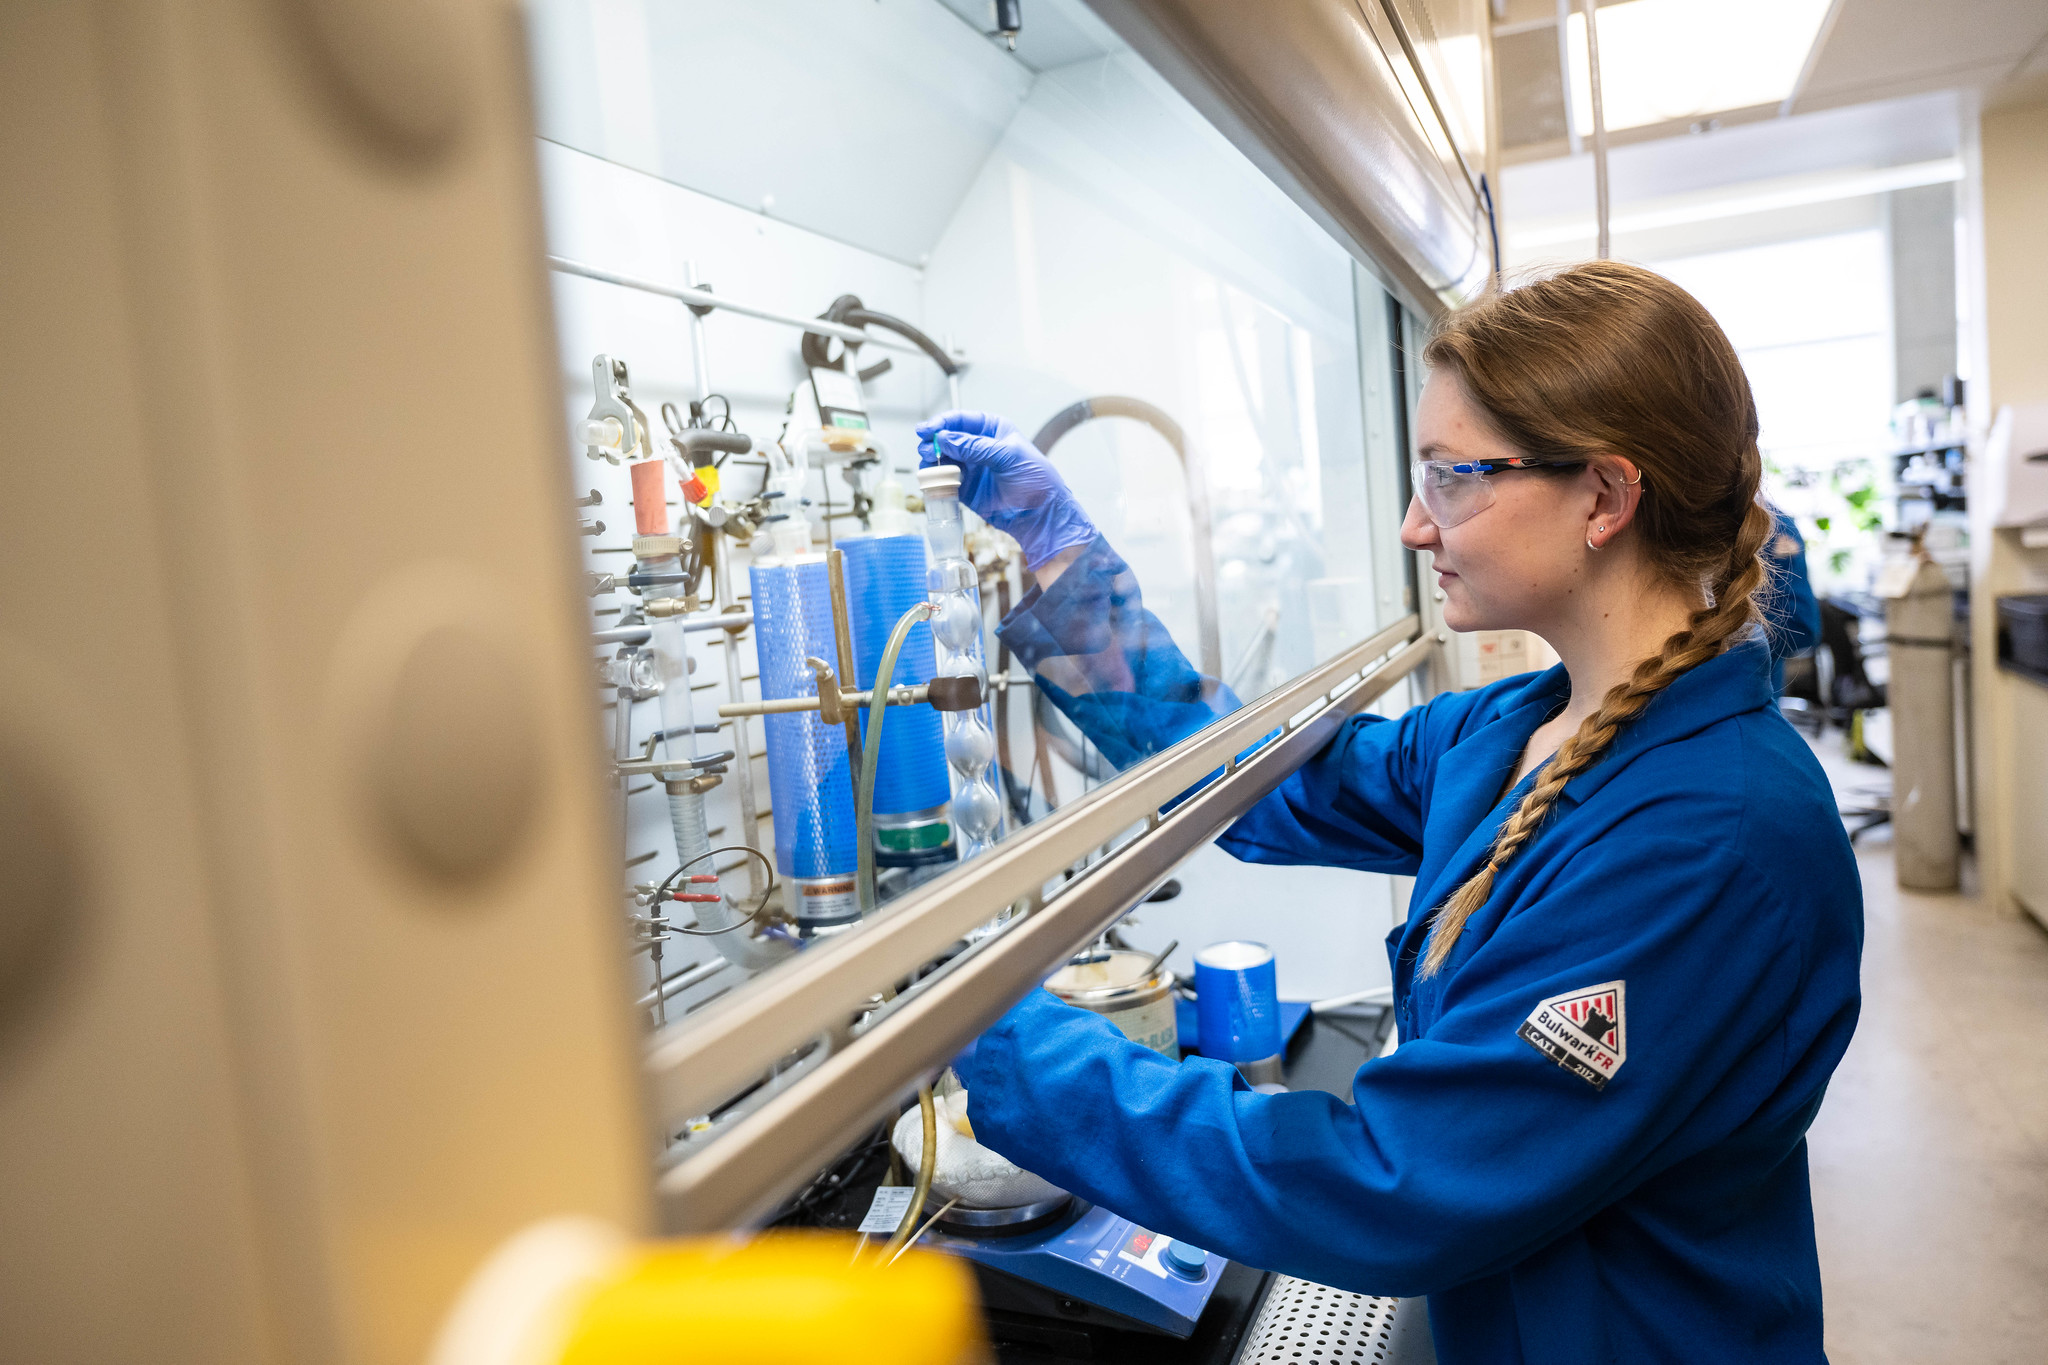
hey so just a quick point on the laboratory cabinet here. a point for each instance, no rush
(2030, 801)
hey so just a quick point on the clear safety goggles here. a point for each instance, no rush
(1454, 493)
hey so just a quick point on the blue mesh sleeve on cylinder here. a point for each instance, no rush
(807, 762)
(885, 577)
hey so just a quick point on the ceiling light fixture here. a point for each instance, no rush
(1786, 192)
(1664, 61)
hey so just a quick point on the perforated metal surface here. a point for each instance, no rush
(1311, 1324)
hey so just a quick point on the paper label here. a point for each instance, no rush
(1152, 1025)
(885, 1215)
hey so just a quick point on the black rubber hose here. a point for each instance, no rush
(848, 311)
(868, 317)
(702, 441)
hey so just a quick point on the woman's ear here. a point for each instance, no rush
(1621, 491)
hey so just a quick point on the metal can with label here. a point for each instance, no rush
(1116, 986)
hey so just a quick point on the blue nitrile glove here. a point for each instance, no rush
(1007, 482)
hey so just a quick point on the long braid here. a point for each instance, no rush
(1711, 630)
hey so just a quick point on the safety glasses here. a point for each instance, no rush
(1454, 493)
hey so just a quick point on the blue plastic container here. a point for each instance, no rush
(1237, 1001)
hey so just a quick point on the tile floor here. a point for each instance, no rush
(1930, 1156)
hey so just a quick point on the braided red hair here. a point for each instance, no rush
(1612, 359)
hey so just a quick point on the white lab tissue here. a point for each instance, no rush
(966, 1170)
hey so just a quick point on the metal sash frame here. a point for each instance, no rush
(764, 1156)
(1323, 98)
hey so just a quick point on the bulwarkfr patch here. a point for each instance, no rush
(1582, 1031)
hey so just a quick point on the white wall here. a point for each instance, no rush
(860, 119)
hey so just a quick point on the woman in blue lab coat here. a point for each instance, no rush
(1790, 610)
(1630, 964)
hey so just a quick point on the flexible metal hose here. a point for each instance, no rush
(927, 1166)
(864, 796)
(864, 817)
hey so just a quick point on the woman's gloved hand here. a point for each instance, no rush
(1007, 482)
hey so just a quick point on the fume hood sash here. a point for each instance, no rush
(1118, 832)
(1321, 96)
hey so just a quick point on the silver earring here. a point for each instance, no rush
(1589, 539)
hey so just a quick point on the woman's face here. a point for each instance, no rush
(1517, 564)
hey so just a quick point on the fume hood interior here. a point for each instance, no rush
(1068, 228)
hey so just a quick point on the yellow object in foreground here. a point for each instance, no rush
(781, 1299)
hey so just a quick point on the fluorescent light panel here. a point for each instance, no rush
(1663, 60)
(1738, 201)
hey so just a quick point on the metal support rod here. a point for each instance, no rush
(779, 706)
(704, 298)
(729, 611)
(742, 743)
(732, 623)
(1599, 124)
(910, 694)
(699, 362)
(622, 749)
(842, 633)
(695, 975)
(1564, 73)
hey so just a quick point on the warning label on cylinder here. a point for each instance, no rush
(826, 902)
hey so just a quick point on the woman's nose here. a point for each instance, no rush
(1418, 532)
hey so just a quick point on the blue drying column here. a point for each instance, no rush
(885, 577)
(815, 845)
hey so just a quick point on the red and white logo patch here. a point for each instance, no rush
(1585, 1032)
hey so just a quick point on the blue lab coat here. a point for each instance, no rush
(1791, 611)
(1649, 1206)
